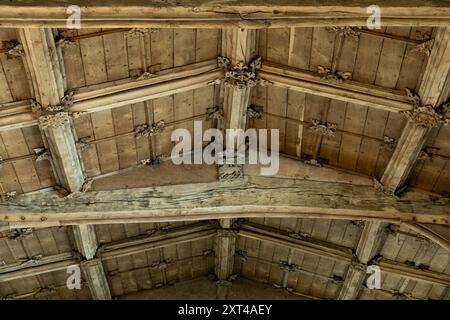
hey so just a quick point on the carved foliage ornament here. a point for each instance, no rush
(347, 32)
(286, 266)
(42, 154)
(83, 143)
(15, 49)
(389, 142)
(327, 129)
(338, 76)
(445, 112)
(241, 254)
(164, 264)
(145, 76)
(150, 162)
(214, 113)
(422, 115)
(30, 261)
(20, 234)
(7, 196)
(64, 43)
(53, 116)
(87, 185)
(149, 130)
(254, 112)
(240, 75)
(424, 47)
(138, 32)
(230, 172)
(381, 188)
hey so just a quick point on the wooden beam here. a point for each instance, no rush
(92, 268)
(164, 83)
(161, 239)
(45, 260)
(37, 270)
(438, 234)
(225, 246)
(348, 91)
(434, 90)
(86, 242)
(96, 279)
(119, 93)
(293, 168)
(17, 115)
(369, 244)
(222, 13)
(414, 273)
(248, 197)
(239, 47)
(46, 69)
(308, 245)
(332, 251)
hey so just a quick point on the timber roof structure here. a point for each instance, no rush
(86, 117)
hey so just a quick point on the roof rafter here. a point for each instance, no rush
(371, 240)
(434, 90)
(45, 66)
(120, 93)
(339, 253)
(93, 269)
(348, 90)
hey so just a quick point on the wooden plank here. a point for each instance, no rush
(278, 45)
(391, 58)
(184, 43)
(277, 106)
(355, 117)
(73, 66)
(103, 127)
(207, 44)
(44, 170)
(300, 47)
(294, 133)
(14, 75)
(93, 55)
(123, 123)
(367, 58)
(115, 56)
(322, 49)
(16, 146)
(162, 41)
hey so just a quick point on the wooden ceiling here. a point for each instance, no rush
(99, 190)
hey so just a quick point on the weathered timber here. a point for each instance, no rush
(251, 197)
(219, 14)
(348, 91)
(434, 90)
(338, 253)
(369, 244)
